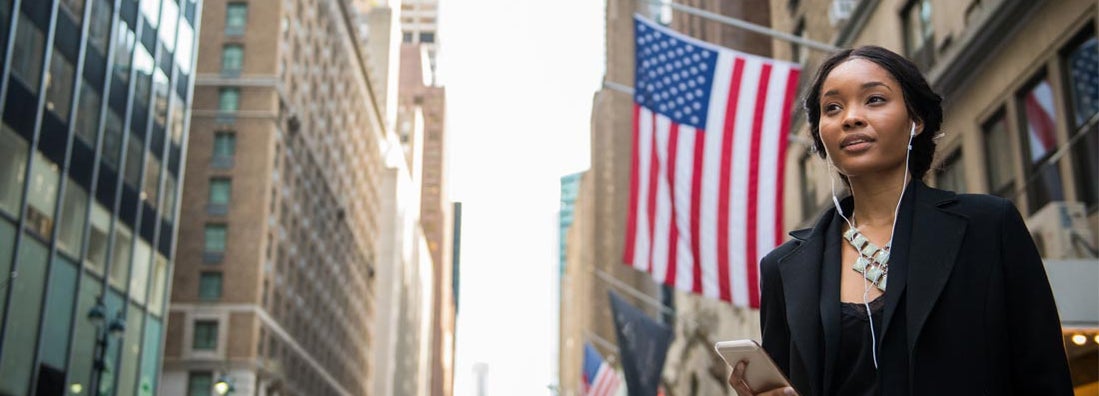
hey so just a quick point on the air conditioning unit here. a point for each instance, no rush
(1061, 232)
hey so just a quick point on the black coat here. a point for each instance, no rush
(968, 309)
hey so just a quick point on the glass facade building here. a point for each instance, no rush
(95, 99)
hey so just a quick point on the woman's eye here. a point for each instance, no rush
(875, 99)
(828, 108)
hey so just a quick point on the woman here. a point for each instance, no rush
(902, 289)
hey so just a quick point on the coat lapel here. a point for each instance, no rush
(801, 287)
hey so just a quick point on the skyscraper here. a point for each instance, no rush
(95, 97)
(420, 25)
(274, 290)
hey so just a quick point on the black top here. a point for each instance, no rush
(855, 372)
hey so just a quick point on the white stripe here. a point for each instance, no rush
(684, 172)
(711, 172)
(663, 201)
(604, 380)
(768, 162)
(641, 233)
(738, 194)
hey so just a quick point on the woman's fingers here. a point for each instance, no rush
(736, 379)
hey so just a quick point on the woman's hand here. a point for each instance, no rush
(736, 379)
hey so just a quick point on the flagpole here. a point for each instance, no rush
(609, 346)
(633, 292)
(740, 23)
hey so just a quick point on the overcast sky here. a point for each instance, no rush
(520, 75)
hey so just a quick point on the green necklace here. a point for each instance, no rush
(873, 261)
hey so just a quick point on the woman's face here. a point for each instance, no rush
(864, 122)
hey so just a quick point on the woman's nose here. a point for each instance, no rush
(853, 120)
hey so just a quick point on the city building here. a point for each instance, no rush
(1020, 87)
(95, 97)
(275, 287)
(420, 25)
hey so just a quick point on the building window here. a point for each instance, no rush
(200, 384)
(229, 99)
(87, 114)
(209, 285)
(218, 199)
(42, 195)
(919, 33)
(206, 335)
(96, 258)
(236, 16)
(1000, 167)
(74, 213)
(951, 175)
(225, 147)
(13, 167)
(214, 243)
(1082, 61)
(120, 256)
(798, 52)
(232, 58)
(99, 29)
(406, 37)
(427, 37)
(59, 86)
(112, 139)
(1043, 182)
(26, 56)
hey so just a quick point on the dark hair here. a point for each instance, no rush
(922, 103)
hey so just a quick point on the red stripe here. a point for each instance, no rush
(723, 190)
(696, 210)
(1041, 123)
(631, 217)
(654, 173)
(752, 230)
(787, 103)
(673, 234)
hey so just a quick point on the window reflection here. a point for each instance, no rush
(13, 167)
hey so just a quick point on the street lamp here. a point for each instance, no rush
(117, 326)
(224, 385)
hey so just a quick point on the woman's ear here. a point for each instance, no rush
(918, 125)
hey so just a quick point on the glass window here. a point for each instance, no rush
(951, 175)
(13, 168)
(209, 285)
(156, 288)
(169, 20)
(1000, 166)
(124, 49)
(120, 257)
(215, 238)
(87, 114)
(200, 384)
(1043, 177)
(21, 326)
(151, 10)
(26, 55)
(42, 197)
(1083, 83)
(225, 144)
(232, 58)
(205, 336)
(97, 239)
(59, 308)
(176, 127)
(112, 139)
(75, 7)
(134, 149)
(80, 368)
(100, 27)
(229, 99)
(219, 191)
(160, 98)
(143, 63)
(152, 180)
(59, 85)
(427, 37)
(139, 280)
(74, 213)
(919, 33)
(131, 351)
(167, 208)
(149, 355)
(185, 47)
(406, 37)
(236, 16)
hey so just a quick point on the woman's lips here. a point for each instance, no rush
(856, 143)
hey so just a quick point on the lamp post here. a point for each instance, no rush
(117, 326)
(224, 385)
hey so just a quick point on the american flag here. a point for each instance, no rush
(710, 129)
(599, 378)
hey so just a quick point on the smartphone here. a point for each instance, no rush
(762, 374)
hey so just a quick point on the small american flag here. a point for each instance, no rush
(600, 379)
(710, 131)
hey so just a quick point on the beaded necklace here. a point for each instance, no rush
(873, 261)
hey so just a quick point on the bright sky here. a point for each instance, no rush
(520, 75)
